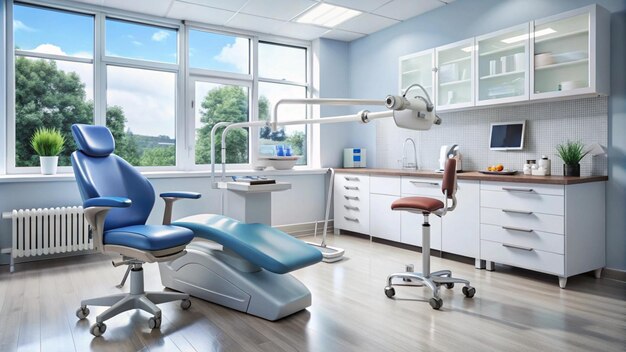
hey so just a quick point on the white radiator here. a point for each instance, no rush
(48, 231)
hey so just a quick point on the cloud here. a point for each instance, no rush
(137, 43)
(160, 36)
(21, 26)
(49, 49)
(235, 54)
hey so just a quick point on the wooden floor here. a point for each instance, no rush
(513, 310)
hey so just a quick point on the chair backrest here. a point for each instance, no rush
(448, 186)
(100, 173)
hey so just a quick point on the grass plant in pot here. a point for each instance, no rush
(571, 153)
(48, 143)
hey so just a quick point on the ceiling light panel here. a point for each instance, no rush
(327, 15)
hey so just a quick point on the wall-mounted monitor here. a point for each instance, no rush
(507, 135)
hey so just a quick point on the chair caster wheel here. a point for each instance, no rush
(469, 291)
(98, 329)
(390, 291)
(82, 313)
(154, 323)
(436, 303)
(450, 285)
(185, 304)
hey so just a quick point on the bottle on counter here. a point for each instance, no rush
(546, 164)
(528, 167)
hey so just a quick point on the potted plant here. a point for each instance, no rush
(48, 143)
(571, 153)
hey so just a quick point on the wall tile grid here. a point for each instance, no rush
(547, 124)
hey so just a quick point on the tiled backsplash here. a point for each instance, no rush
(547, 124)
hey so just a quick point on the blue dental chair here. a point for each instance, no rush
(241, 266)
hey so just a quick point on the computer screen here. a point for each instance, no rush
(507, 136)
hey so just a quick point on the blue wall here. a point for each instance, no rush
(373, 64)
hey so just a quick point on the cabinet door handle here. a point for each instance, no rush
(516, 229)
(351, 197)
(511, 189)
(517, 211)
(349, 178)
(349, 207)
(517, 247)
(354, 188)
(351, 219)
(425, 183)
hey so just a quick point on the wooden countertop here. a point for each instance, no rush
(475, 175)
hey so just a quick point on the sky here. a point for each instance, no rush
(149, 97)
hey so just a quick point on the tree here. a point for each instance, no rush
(230, 104)
(46, 96)
(159, 156)
(125, 143)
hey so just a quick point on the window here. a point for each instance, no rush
(283, 75)
(53, 77)
(141, 114)
(139, 41)
(219, 52)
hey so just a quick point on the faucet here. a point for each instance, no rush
(405, 164)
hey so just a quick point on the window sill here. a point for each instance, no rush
(64, 177)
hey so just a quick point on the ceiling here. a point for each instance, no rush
(277, 17)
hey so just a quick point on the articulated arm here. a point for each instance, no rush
(96, 210)
(170, 198)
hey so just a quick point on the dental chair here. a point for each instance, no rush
(237, 265)
(117, 201)
(427, 206)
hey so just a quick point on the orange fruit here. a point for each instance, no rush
(499, 167)
(489, 168)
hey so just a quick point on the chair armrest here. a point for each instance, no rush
(109, 202)
(181, 195)
(170, 198)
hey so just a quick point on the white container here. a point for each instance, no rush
(48, 164)
(504, 60)
(519, 61)
(546, 164)
(492, 67)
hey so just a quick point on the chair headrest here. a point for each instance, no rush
(93, 140)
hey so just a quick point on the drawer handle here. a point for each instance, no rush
(348, 178)
(509, 189)
(349, 207)
(517, 247)
(425, 183)
(351, 219)
(516, 229)
(354, 188)
(517, 211)
(351, 197)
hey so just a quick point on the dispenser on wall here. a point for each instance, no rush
(354, 157)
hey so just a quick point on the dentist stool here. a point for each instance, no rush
(427, 206)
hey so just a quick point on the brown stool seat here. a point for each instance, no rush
(425, 204)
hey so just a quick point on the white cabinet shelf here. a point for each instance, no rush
(453, 83)
(505, 74)
(562, 64)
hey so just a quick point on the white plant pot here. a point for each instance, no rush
(48, 164)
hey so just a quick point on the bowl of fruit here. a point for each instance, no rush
(498, 170)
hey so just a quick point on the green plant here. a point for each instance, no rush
(47, 142)
(571, 152)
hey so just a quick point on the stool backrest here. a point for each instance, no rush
(448, 186)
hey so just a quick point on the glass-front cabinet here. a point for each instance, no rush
(418, 69)
(455, 75)
(568, 57)
(502, 66)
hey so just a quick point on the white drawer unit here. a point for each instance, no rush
(460, 228)
(556, 229)
(421, 186)
(390, 185)
(351, 202)
(411, 229)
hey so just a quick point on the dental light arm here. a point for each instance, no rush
(416, 113)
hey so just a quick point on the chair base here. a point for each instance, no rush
(137, 298)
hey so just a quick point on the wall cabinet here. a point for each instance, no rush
(571, 54)
(502, 66)
(561, 56)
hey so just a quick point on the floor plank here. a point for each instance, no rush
(513, 309)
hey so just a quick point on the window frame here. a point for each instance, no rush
(185, 77)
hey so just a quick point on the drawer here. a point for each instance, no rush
(537, 260)
(527, 201)
(526, 220)
(389, 185)
(539, 240)
(422, 186)
(513, 187)
(352, 220)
